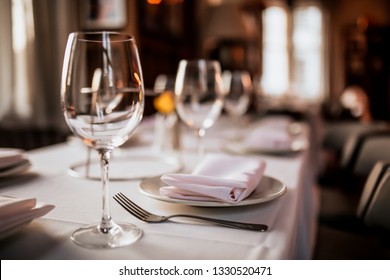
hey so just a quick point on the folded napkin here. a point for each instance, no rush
(10, 157)
(216, 178)
(268, 137)
(15, 212)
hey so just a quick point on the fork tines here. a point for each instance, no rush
(131, 207)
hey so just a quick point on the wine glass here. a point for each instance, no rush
(260, 99)
(167, 126)
(238, 87)
(102, 96)
(199, 95)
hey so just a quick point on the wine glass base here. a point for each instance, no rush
(118, 235)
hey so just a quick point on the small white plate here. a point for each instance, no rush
(267, 190)
(133, 167)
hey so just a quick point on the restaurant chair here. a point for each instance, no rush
(340, 147)
(362, 151)
(337, 134)
(340, 198)
(360, 154)
(374, 205)
(363, 234)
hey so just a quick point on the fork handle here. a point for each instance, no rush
(232, 224)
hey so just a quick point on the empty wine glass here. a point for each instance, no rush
(238, 87)
(102, 96)
(167, 126)
(199, 95)
(260, 99)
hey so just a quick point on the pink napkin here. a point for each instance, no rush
(270, 133)
(268, 137)
(218, 177)
(16, 212)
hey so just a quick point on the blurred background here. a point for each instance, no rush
(329, 56)
(325, 61)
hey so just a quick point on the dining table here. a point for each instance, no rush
(64, 175)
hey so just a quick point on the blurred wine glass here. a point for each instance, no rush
(261, 101)
(167, 126)
(238, 88)
(102, 95)
(199, 95)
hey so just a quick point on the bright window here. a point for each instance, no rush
(275, 53)
(293, 53)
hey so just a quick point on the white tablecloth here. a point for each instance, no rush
(292, 217)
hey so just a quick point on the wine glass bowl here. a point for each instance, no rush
(199, 95)
(261, 101)
(239, 90)
(102, 97)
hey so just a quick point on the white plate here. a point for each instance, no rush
(133, 167)
(267, 190)
(24, 219)
(238, 147)
(21, 167)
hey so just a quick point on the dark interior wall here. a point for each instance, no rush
(176, 33)
(358, 44)
(167, 33)
(162, 48)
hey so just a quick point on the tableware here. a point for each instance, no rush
(239, 147)
(238, 88)
(268, 189)
(102, 95)
(199, 96)
(16, 169)
(146, 166)
(9, 157)
(146, 216)
(218, 177)
(261, 100)
(17, 213)
(167, 126)
(12, 162)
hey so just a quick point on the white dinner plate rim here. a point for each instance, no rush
(156, 183)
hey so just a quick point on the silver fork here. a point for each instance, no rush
(146, 216)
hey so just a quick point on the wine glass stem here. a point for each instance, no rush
(201, 133)
(106, 222)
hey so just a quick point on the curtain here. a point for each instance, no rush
(34, 35)
(6, 65)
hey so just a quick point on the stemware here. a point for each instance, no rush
(261, 101)
(199, 95)
(238, 87)
(102, 96)
(167, 126)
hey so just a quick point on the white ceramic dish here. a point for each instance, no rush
(267, 190)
